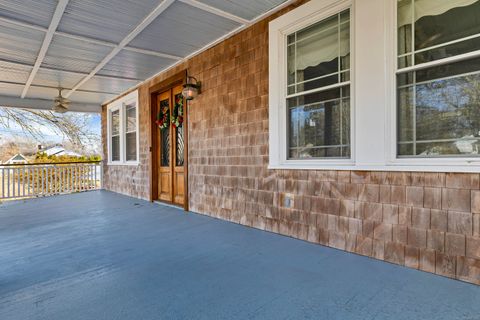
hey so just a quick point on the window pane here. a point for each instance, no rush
(317, 54)
(115, 122)
(116, 148)
(404, 18)
(319, 125)
(131, 122)
(435, 24)
(445, 105)
(405, 115)
(131, 146)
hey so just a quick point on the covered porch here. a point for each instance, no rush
(100, 255)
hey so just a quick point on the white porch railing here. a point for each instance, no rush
(44, 179)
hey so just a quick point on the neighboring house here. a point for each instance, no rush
(60, 151)
(17, 159)
(353, 124)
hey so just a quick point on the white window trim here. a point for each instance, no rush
(295, 20)
(120, 105)
(373, 91)
(453, 164)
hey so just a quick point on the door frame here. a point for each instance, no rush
(154, 90)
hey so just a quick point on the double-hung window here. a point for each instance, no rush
(438, 78)
(122, 127)
(310, 86)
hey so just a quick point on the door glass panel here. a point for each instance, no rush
(180, 147)
(179, 132)
(165, 139)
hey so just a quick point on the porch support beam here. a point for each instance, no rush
(149, 19)
(216, 11)
(57, 16)
(52, 87)
(70, 71)
(42, 104)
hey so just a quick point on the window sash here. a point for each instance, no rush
(412, 70)
(340, 48)
(343, 18)
(418, 11)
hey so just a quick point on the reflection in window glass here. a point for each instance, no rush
(130, 134)
(318, 61)
(115, 137)
(320, 125)
(131, 118)
(438, 107)
(131, 146)
(436, 24)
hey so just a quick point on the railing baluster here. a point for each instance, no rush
(95, 177)
(3, 183)
(13, 183)
(74, 178)
(17, 181)
(8, 182)
(69, 178)
(61, 180)
(28, 181)
(92, 169)
(23, 181)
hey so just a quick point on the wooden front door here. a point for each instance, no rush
(171, 160)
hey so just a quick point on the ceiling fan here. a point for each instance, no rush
(60, 104)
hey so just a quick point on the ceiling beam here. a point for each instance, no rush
(42, 104)
(71, 72)
(56, 87)
(57, 16)
(23, 24)
(113, 45)
(145, 22)
(154, 53)
(89, 40)
(216, 11)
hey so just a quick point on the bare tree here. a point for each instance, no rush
(73, 127)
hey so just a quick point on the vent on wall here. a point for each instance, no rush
(287, 200)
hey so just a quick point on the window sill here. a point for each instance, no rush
(136, 163)
(402, 167)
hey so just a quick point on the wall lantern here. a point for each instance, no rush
(191, 88)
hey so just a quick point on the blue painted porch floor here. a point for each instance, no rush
(100, 255)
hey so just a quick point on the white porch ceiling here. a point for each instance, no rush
(97, 49)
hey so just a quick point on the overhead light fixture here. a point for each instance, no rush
(191, 88)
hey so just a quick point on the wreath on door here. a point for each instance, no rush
(163, 117)
(177, 116)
